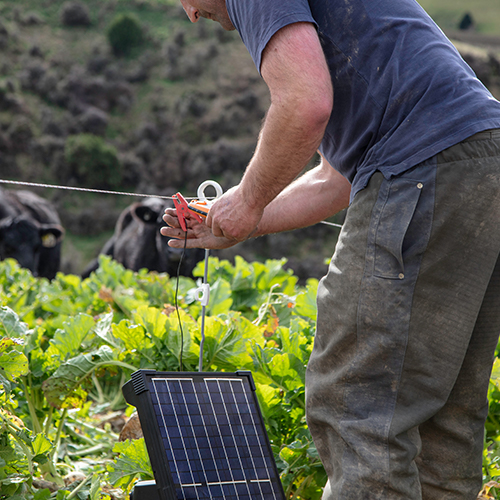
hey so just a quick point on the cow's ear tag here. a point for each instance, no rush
(49, 240)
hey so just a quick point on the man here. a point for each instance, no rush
(409, 312)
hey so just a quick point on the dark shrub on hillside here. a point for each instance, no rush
(4, 36)
(31, 19)
(97, 63)
(75, 14)
(191, 104)
(93, 121)
(20, 133)
(46, 147)
(125, 34)
(494, 63)
(132, 169)
(8, 100)
(192, 64)
(36, 51)
(147, 130)
(92, 161)
(5, 144)
(219, 157)
(31, 74)
(3, 29)
(467, 22)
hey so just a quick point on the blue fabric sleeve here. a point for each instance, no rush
(258, 20)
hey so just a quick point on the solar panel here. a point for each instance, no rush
(205, 435)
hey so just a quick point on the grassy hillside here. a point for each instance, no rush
(172, 109)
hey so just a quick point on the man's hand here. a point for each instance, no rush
(199, 234)
(232, 218)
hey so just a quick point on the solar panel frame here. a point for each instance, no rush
(205, 435)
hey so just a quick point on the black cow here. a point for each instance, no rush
(30, 232)
(138, 244)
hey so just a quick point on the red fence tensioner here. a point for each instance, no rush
(197, 209)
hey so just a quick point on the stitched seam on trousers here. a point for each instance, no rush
(369, 265)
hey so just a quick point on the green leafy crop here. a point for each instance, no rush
(68, 346)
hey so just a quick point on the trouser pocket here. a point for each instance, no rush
(395, 210)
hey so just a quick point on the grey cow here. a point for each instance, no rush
(30, 232)
(138, 244)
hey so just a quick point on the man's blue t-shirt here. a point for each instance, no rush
(402, 92)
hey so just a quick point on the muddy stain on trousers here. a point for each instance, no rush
(408, 322)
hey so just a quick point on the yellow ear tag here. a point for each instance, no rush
(49, 240)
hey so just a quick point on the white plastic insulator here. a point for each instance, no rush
(202, 294)
(204, 185)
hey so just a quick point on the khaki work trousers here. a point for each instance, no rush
(408, 323)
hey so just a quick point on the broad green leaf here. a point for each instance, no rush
(273, 273)
(103, 329)
(95, 487)
(11, 324)
(216, 269)
(220, 298)
(293, 451)
(13, 364)
(248, 331)
(68, 341)
(5, 387)
(495, 374)
(244, 276)
(294, 342)
(43, 494)
(283, 373)
(306, 301)
(227, 342)
(268, 397)
(133, 461)
(34, 340)
(6, 344)
(112, 274)
(8, 451)
(64, 385)
(278, 369)
(262, 358)
(131, 336)
(180, 336)
(129, 299)
(41, 445)
(153, 321)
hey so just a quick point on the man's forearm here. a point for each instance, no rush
(313, 197)
(286, 144)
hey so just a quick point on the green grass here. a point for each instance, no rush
(82, 250)
(448, 13)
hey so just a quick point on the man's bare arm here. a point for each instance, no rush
(311, 198)
(295, 70)
(316, 195)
